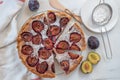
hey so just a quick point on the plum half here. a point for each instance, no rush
(86, 67)
(93, 57)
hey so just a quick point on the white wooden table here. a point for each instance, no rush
(105, 70)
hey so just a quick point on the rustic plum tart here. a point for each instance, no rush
(49, 35)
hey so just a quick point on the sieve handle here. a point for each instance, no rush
(108, 56)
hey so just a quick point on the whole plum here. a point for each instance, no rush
(93, 42)
(33, 5)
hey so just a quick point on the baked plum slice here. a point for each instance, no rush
(32, 61)
(27, 49)
(75, 37)
(37, 26)
(26, 36)
(44, 53)
(42, 67)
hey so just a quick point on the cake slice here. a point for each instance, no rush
(69, 46)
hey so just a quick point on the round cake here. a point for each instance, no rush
(50, 35)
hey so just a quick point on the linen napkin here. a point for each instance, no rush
(11, 68)
(8, 12)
